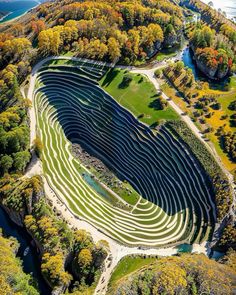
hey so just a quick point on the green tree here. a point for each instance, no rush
(38, 146)
(179, 66)
(127, 79)
(158, 73)
(85, 258)
(6, 162)
(113, 49)
(12, 278)
(20, 160)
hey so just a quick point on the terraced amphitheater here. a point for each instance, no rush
(169, 200)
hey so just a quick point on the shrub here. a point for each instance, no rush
(158, 73)
(126, 81)
(158, 104)
(232, 106)
(38, 146)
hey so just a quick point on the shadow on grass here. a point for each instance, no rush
(156, 105)
(154, 125)
(129, 149)
(127, 79)
(111, 74)
(140, 80)
(155, 95)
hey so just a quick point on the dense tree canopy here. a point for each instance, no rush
(14, 140)
(14, 130)
(111, 30)
(57, 240)
(213, 50)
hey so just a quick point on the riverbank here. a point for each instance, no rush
(15, 10)
(4, 16)
(31, 264)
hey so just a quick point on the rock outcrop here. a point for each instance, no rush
(214, 71)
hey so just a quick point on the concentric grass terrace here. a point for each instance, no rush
(174, 204)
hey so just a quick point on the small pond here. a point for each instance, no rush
(96, 186)
(184, 248)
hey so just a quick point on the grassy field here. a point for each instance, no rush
(137, 97)
(215, 121)
(171, 93)
(128, 265)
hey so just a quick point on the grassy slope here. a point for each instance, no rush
(128, 265)
(54, 140)
(149, 89)
(136, 97)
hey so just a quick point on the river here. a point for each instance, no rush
(16, 8)
(30, 261)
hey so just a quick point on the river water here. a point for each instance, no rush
(229, 6)
(16, 8)
(30, 261)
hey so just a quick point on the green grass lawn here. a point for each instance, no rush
(69, 53)
(137, 97)
(161, 56)
(59, 62)
(128, 265)
(232, 83)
